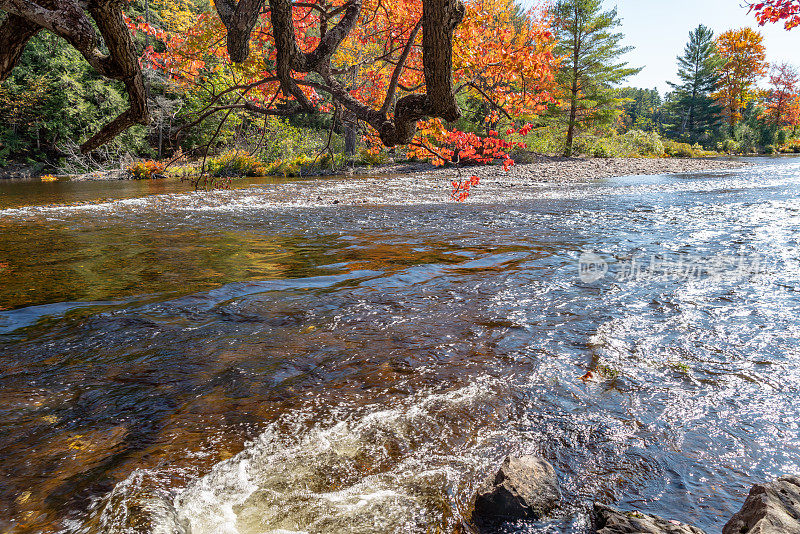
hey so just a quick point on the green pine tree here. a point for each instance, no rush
(641, 109)
(591, 68)
(697, 115)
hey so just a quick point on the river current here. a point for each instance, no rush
(357, 355)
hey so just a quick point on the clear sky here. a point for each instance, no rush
(659, 29)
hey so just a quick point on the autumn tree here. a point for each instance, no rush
(502, 59)
(773, 11)
(303, 38)
(697, 112)
(744, 63)
(591, 67)
(782, 96)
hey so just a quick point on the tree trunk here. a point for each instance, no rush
(573, 115)
(573, 103)
(439, 20)
(160, 137)
(350, 140)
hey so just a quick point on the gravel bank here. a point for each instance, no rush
(541, 169)
(570, 170)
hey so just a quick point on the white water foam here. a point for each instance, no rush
(392, 470)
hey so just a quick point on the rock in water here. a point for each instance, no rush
(608, 520)
(524, 488)
(772, 508)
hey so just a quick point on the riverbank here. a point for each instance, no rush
(545, 169)
(550, 169)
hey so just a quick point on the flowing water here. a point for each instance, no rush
(357, 355)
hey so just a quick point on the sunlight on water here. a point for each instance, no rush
(262, 360)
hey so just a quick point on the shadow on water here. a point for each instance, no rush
(228, 363)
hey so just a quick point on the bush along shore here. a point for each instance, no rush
(526, 488)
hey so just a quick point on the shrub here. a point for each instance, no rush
(143, 170)
(601, 151)
(236, 163)
(678, 150)
(791, 147)
(747, 139)
(545, 140)
(368, 157)
(183, 171)
(639, 143)
(730, 146)
(291, 167)
(282, 140)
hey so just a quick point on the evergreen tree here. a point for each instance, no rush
(592, 48)
(697, 114)
(641, 109)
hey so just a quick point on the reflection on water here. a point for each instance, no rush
(261, 360)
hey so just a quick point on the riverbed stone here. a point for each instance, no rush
(525, 487)
(608, 520)
(772, 508)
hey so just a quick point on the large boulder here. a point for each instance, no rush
(526, 487)
(607, 520)
(772, 508)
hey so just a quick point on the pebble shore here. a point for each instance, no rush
(569, 170)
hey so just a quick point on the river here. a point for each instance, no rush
(357, 355)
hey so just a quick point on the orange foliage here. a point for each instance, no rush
(500, 56)
(142, 170)
(745, 62)
(505, 58)
(783, 97)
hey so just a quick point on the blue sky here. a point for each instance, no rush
(659, 30)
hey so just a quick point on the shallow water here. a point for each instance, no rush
(262, 360)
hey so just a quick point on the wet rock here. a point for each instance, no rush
(524, 488)
(772, 508)
(607, 520)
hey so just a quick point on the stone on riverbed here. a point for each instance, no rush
(607, 520)
(772, 508)
(525, 488)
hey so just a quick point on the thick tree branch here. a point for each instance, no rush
(15, 32)
(398, 69)
(68, 19)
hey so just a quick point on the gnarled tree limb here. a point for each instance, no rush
(68, 19)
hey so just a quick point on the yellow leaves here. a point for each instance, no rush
(744, 58)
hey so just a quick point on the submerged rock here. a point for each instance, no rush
(772, 508)
(607, 520)
(524, 488)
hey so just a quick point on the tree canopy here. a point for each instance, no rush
(699, 73)
(301, 66)
(591, 47)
